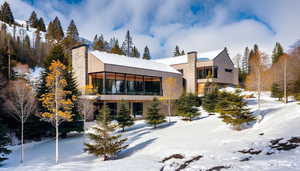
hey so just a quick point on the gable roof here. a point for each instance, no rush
(205, 56)
(121, 60)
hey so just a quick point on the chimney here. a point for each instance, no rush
(191, 75)
(80, 64)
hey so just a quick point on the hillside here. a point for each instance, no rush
(208, 136)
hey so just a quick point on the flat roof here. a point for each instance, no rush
(121, 60)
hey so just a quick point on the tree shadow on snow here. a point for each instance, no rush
(164, 125)
(131, 150)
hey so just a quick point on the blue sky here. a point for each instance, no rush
(200, 25)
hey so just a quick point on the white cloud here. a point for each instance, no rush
(162, 24)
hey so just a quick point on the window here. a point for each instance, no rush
(206, 72)
(228, 70)
(110, 83)
(126, 84)
(181, 71)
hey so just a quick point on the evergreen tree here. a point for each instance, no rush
(123, 117)
(41, 25)
(4, 141)
(33, 20)
(176, 51)
(50, 31)
(146, 54)
(98, 43)
(127, 46)
(153, 116)
(233, 110)
(58, 33)
(182, 52)
(296, 91)
(116, 49)
(276, 91)
(72, 31)
(209, 101)
(277, 52)
(26, 43)
(6, 14)
(105, 143)
(57, 53)
(135, 52)
(245, 61)
(185, 106)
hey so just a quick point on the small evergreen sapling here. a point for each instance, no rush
(153, 116)
(123, 117)
(209, 102)
(233, 110)
(185, 106)
(105, 143)
(4, 141)
(276, 91)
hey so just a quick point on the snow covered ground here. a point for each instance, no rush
(207, 136)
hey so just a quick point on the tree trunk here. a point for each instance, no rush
(169, 110)
(285, 82)
(56, 121)
(22, 140)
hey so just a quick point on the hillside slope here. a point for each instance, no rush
(209, 137)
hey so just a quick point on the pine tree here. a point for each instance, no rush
(72, 31)
(58, 33)
(57, 53)
(50, 31)
(233, 110)
(176, 51)
(296, 91)
(123, 117)
(276, 91)
(116, 49)
(209, 101)
(98, 43)
(33, 20)
(6, 14)
(277, 52)
(182, 52)
(146, 54)
(153, 116)
(245, 61)
(4, 141)
(105, 143)
(26, 43)
(185, 106)
(41, 25)
(127, 46)
(135, 52)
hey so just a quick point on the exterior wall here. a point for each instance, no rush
(79, 64)
(223, 62)
(94, 64)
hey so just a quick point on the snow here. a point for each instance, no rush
(207, 136)
(205, 56)
(121, 60)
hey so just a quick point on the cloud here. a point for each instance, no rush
(192, 24)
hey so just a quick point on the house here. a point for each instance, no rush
(198, 69)
(117, 77)
(138, 81)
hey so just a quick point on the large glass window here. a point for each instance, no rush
(120, 83)
(206, 72)
(97, 82)
(127, 84)
(110, 83)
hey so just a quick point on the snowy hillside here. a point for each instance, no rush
(206, 143)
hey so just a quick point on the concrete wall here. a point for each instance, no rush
(80, 65)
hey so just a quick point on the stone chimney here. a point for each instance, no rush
(80, 64)
(191, 75)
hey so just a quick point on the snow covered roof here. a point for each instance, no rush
(121, 60)
(205, 56)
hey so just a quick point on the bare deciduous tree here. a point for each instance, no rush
(21, 103)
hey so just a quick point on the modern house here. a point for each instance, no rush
(117, 77)
(138, 81)
(198, 69)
